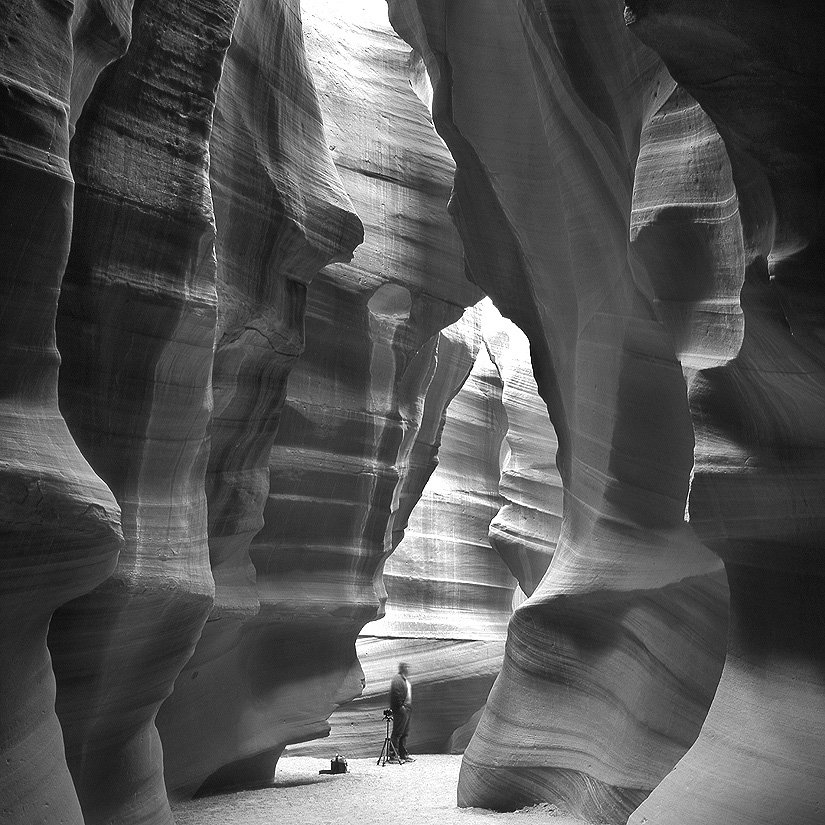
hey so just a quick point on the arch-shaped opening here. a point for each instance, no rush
(487, 518)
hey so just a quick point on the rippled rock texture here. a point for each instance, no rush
(281, 214)
(757, 496)
(169, 194)
(136, 331)
(612, 662)
(449, 593)
(345, 468)
(59, 524)
(525, 531)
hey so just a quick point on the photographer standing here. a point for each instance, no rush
(401, 706)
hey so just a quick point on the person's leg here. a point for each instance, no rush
(402, 738)
(398, 728)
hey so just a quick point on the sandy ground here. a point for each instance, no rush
(422, 791)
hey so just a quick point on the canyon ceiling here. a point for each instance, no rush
(244, 356)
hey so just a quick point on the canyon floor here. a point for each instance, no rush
(418, 793)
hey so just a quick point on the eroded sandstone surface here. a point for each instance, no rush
(757, 494)
(136, 330)
(208, 493)
(137, 334)
(612, 662)
(449, 592)
(60, 524)
(346, 466)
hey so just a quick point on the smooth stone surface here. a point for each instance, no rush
(642, 196)
(448, 595)
(136, 331)
(756, 498)
(281, 214)
(543, 198)
(60, 530)
(344, 471)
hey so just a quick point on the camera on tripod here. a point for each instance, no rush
(388, 751)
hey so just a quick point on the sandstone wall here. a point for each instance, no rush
(136, 331)
(169, 194)
(281, 214)
(623, 157)
(344, 470)
(59, 524)
(756, 499)
(525, 531)
(449, 595)
(612, 662)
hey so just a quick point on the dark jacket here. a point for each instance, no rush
(398, 692)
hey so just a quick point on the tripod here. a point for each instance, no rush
(388, 751)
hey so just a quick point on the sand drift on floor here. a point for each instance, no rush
(421, 793)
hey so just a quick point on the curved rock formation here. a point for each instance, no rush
(612, 662)
(136, 329)
(526, 529)
(611, 214)
(281, 215)
(346, 434)
(443, 580)
(756, 498)
(448, 595)
(101, 31)
(60, 525)
(443, 617)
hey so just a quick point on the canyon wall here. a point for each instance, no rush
(205, 498)
(757, 493)
(449, 589)
(449, 595)
(187, 252)
(60, 528)
(525, 531)
(281, 215)
(346, 465)
(612, 662)
(136, 328)
(689, 417)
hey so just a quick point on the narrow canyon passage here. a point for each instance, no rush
(466, 554)
(486, 335)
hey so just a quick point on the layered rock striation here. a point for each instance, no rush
(59, 524)
(449, 596)
(612, 662)
(443, 580)
(137, 334)
(756, 497)
(169, 194)
(526, 529)
(136, 331)
(281, 215)
(344, 470)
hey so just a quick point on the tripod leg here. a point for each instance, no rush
(385, 749)
(393, 753)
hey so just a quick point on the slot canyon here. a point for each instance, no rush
(484, 335)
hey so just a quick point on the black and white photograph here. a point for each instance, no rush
(412, 411)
